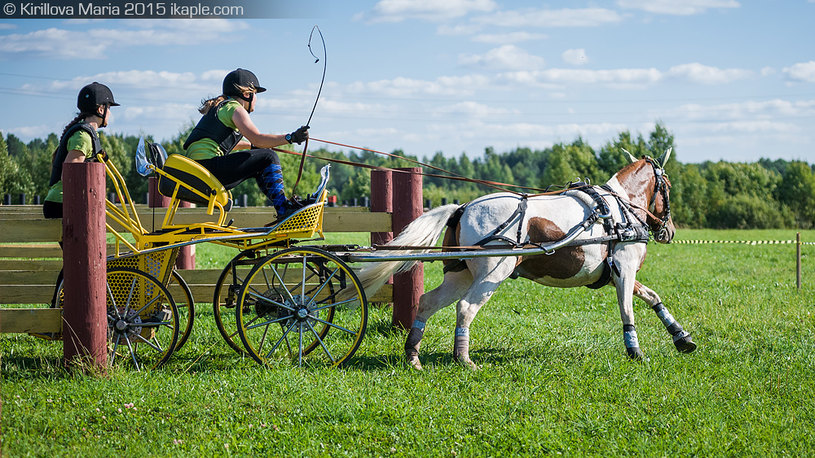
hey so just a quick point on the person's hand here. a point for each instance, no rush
(298, 136)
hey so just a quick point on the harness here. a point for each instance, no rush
(62, 151)
(211, 127)
(630, 229)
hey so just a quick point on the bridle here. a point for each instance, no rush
(662, 186)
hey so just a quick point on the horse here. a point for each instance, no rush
(612, 224)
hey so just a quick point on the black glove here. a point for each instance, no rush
(298, 136)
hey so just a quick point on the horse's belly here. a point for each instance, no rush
(566, 268)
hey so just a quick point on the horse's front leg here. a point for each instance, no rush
(681, 338)
(624, 271)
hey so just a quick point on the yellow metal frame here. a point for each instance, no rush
(305, 223)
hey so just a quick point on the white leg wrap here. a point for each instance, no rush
(461, 344)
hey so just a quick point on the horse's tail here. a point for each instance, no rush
(423, 231)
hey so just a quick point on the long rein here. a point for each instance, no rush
(660, 187)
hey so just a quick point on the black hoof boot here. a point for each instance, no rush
(635, 354)
(685, 344)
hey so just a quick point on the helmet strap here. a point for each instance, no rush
(248, 99)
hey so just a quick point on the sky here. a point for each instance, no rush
(732, 80)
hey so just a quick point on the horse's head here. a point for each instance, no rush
(649, 189)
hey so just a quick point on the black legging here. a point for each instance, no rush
(234, 168)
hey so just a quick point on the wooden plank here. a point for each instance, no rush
(28, 277)
(54, 265)
(41, 230)
(30, 320)
(27, 294)
(21, 250)
(15, 228)
(201, 293)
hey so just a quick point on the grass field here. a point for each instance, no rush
(554, 377)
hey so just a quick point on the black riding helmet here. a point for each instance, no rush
(241, 78)
(93, 95)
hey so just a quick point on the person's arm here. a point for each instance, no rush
(74, 156)
(248, 129)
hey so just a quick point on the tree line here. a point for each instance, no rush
(763, 194)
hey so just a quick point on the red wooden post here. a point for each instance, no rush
(381, 201)
(84, 330)
(186, 255)
(155, 199)
(408, 287)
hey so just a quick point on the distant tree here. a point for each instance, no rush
(797, 191)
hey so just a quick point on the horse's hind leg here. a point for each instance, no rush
(681, 338)
(452, 288)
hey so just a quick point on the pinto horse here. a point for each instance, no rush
(613, 222)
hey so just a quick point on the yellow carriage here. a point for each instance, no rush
(274, 301)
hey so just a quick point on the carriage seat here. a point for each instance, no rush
(181, 170)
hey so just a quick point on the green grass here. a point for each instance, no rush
(554, 377)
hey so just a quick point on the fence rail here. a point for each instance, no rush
(30, 257)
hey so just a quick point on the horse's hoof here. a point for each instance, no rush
(467, 362)
(685, 345)
(412, 359)
(635, 354)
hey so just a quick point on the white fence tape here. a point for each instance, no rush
(742, 242)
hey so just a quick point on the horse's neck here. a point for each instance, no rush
(632, 183)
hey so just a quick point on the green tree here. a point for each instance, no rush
(797, 191)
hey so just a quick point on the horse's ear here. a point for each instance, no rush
(629, 156)
(663, 160)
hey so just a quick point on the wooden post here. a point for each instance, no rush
(154, 198)
(408, 287)
(186, 255)
(84, 332)
(798, 279)
(381, 201)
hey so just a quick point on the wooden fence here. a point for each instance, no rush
(30, 257)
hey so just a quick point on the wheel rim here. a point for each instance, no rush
(226, 294)
(302, 305)
(186, 307)
(143, 325)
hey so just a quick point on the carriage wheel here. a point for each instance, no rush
(142, 319)
(226, 296)
(186, 307)
(303, 305)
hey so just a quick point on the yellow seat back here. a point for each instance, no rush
(180, 171)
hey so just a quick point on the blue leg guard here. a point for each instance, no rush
(272, 179)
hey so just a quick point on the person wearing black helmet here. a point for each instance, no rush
(217, 141)
(79, 141)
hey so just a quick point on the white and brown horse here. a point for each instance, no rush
(605, 252)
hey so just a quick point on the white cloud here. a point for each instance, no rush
(471, 109)
(567, 17)
(402, 87)
(560, 76)
(508, 38)
(7, 26)
(55, 43)
(801, 72)
(575, 56)
(753, 109)
(509, 57)
(674, 7)
(703, 74)
(429, 10)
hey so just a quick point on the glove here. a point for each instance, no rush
(298, 136)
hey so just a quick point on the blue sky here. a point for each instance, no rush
(733, 80)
